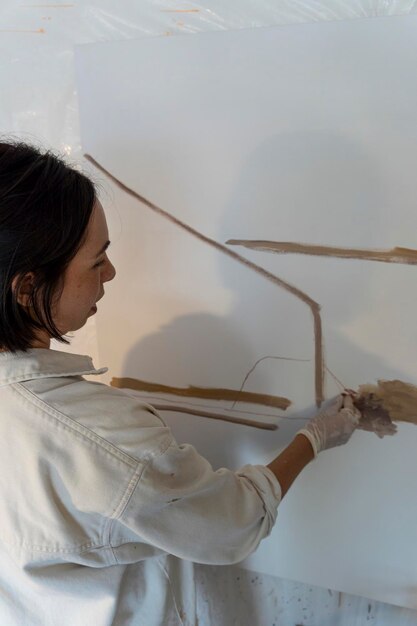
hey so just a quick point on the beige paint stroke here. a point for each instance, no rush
(314, 306)
(154, 398)
(384, 403)
(217, 416)
(206, 393)
(395, 255)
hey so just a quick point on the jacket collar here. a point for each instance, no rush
(42, 363)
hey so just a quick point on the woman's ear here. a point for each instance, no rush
(23, 288)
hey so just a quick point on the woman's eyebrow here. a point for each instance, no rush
(103, 249)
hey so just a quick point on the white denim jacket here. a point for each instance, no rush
(102, 512)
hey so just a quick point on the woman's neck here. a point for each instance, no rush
(42, 341)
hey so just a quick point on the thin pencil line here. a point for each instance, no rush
(314, 306)
(279, 358)
(339, 382)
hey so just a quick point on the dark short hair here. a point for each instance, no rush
(45, 207)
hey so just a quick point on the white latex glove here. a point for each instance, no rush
(333, 426)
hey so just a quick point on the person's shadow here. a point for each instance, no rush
(219, 351)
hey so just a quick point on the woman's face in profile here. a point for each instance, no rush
(85, 276)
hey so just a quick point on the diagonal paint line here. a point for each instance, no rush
(217, 416)
(314, 306)
(197, 405)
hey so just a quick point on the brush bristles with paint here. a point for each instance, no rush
(385, 403)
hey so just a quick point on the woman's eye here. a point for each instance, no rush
(100, 263)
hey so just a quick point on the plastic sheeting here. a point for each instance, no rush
(38, 97)
(37, 38)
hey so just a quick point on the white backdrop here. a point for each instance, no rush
(304, 134)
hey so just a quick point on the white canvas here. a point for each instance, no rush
(300, 134)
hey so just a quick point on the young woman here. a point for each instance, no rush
(103, 512)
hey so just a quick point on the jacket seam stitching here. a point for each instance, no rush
(78, 549)
(38, 376)
(123, 508)
(72, 425)
(174, 599)
(120, 508)
(86, 434)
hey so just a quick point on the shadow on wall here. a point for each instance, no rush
(204, 348)
(207, 350)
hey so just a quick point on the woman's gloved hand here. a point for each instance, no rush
(333, 426)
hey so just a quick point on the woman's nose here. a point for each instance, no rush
(110, 272)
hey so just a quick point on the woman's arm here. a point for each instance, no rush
(332, 427)
(291, 461)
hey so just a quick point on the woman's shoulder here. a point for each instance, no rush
(54, 384)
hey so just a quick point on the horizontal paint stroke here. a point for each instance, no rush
(203, 392)
(216, 416)
(395, 255)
